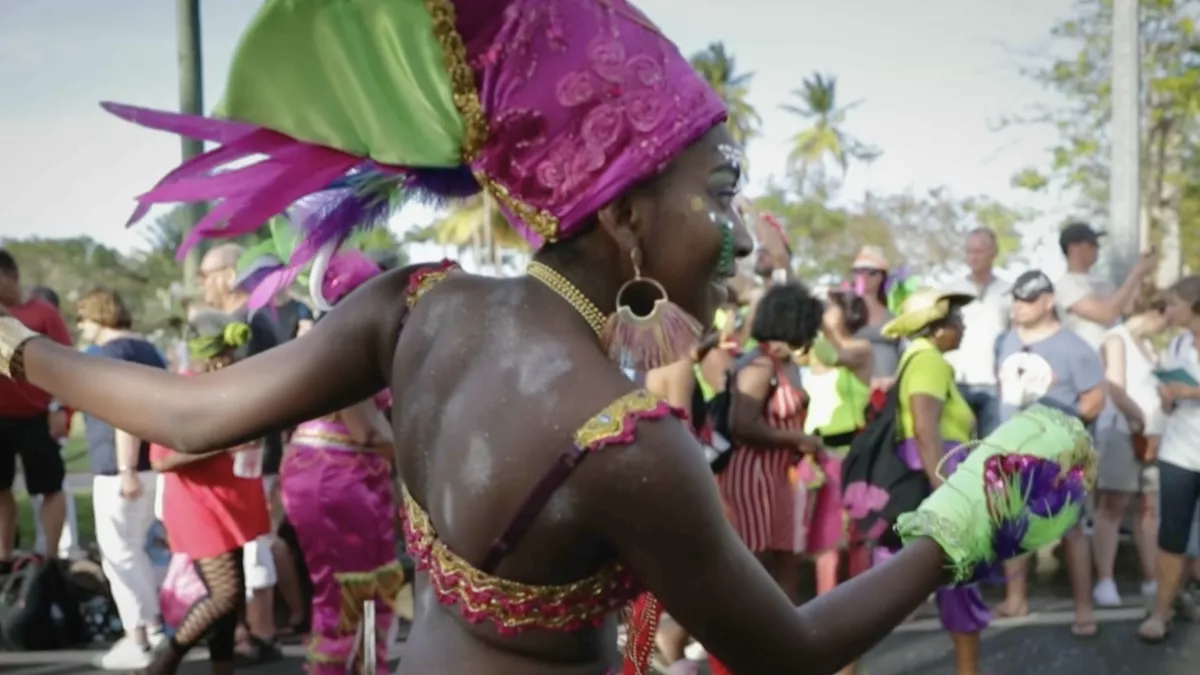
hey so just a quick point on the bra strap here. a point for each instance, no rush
(538, 497)
(615, 425)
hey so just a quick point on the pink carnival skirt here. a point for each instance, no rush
(340, 503)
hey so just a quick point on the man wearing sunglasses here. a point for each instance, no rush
(1042, 361)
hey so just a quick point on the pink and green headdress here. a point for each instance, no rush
(554, 108)
(329, 277)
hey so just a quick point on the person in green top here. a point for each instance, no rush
(934, 420)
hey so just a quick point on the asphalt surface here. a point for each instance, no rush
(1039, 645)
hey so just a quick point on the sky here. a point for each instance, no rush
(932, 83)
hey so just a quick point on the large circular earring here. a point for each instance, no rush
(662, 336)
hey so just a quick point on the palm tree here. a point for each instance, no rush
(824, 139)
(476, 223)
(718, 68)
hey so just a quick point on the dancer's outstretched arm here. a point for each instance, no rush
(687, 554)
(343, 359)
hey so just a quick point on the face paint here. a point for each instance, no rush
(725, 264)
(696, 203)
(733, 155)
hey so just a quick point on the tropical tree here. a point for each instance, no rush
(824, 140)
(1079, 159)
(718, 68)
(476, 224)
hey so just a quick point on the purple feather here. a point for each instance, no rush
(334, 215)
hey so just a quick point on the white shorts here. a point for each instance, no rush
(257, 560)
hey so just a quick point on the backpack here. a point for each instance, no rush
(720, 412)
(877, 486)
(37, 610)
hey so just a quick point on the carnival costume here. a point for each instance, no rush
(336, 491)
(556, 109)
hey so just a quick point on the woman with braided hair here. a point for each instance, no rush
(542, 488)
(213, 503)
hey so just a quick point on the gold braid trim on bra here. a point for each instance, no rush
(511, 606)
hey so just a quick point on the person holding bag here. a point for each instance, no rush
(929, 421)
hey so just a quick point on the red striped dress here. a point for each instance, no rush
(756, 486)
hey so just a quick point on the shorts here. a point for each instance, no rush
(1179, 493)
(258, 562)
(1118, 469)
(41, 463)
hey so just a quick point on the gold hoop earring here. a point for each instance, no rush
(663, 336)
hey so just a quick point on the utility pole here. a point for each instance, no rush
(1124, 206)
(191, 102)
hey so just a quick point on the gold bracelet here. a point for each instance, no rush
(13, 335)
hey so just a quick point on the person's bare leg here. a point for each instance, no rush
(1079, 571)
(288, 582)
(672, 640)
(1145, 535)
(1171, 572)
(8, 524)
(966, 653)
(260, 614)
(53, 515)
(1016, 591)
(826, 564)
(1106, 527)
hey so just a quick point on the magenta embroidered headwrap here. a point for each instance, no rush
(554, 107)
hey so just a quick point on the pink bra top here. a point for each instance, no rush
(513, 606)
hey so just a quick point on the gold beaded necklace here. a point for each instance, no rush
(567, 291)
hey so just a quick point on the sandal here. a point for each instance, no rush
(256, 651)
(1153, 630)
(1085, 629)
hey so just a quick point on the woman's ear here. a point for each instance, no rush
(622, 223)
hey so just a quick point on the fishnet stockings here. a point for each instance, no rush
(218, 612)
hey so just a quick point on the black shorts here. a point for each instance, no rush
(1178, 494)
(41, 461)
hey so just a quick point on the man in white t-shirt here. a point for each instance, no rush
(986, 319)
(1087, 304)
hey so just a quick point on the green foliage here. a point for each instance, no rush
(924, 231)
(73, 266)
(1079, 160)
(719, 69)
(824, 139)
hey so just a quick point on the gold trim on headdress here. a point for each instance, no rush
(466, 99)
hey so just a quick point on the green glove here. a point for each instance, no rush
(1019, 489)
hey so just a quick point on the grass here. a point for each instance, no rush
(84, 515)
(75, 450)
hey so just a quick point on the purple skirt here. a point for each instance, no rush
(961, 609)
(339, 500)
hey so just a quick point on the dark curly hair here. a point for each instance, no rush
(854, 309)
(788, 313)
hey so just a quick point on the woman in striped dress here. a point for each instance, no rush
(767, 424)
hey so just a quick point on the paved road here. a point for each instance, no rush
(1042, 645)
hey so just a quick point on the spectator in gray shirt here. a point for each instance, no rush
(1041, 361)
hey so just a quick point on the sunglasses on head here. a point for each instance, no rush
(866, 271)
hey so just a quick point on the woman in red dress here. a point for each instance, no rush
(768, 428)
(212, 505)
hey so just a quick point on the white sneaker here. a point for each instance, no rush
(1149, 589)
(1105, 594)
(126, 654)
(155, 638)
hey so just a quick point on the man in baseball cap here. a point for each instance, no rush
(1079, 233)
(1090, 305)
